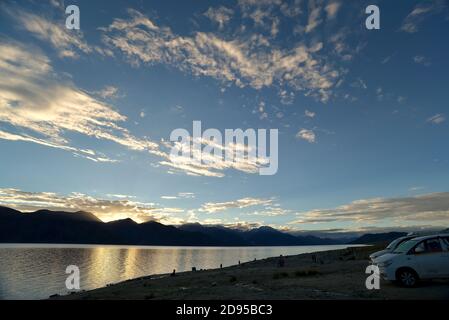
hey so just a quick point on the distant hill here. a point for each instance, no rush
(372, 238)
(61, 215)
(263, 236)
(219, 234)
(45, 226)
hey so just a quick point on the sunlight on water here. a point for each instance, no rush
(38, 271)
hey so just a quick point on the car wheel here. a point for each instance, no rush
(408, 278)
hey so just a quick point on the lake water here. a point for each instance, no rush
(38, 271)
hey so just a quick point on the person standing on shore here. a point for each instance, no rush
(281, 261)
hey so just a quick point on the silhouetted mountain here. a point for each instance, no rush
(263, 236)
(266, 236)
(7, 212)
(159, 234)
(221, 235)
(61, 215)
(45, 226)
(372, 238)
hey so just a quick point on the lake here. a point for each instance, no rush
(29, 271)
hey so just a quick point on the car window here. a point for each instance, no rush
(433, 245)
(446, 242)
(428, 246)
(394, 244)
(420, 248)
(405, 246)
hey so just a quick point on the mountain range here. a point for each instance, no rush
(45, 226)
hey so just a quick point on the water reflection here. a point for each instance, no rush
(38, 272)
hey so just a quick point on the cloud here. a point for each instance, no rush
(186, 195)
(261, 12)
(42, 108)
(108, 92)
(422, 60)
(309, 114)
(180, 195)
(332, 10)
(401, 99)
(386, 59)
(220, 15)
(287, 97)
(307, 135)
(104, 209)
(417, 188)
(214, 207)
(432, 208)
(420, 13)
(359, 83)
(85, 153)
(198, 163)
(68, 43)
(121, 196)
(314, 19)
(242, 60)
(292, 9)
(341, 46)
(57, 3)
(437, 119)
(270, 211)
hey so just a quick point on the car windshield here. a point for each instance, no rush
(394, 244)
(405, 246)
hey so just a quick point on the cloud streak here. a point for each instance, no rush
(104, 209)
(243, 60)
(43, 108)
(68, 43)
(420, 13)
(214, 207)
(437, 119)
(432, 208)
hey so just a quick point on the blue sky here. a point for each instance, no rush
(362, 114)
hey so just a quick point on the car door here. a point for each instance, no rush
(428, 259)
(445, 267)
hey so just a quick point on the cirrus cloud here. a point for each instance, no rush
(42, 108)
(244, 60)
(432, 208)
(214, 207)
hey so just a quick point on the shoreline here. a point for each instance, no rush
(88, 245)
(333, 274)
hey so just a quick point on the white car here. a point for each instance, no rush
(419, 258)
(391, 247)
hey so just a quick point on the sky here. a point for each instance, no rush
(86, 115)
